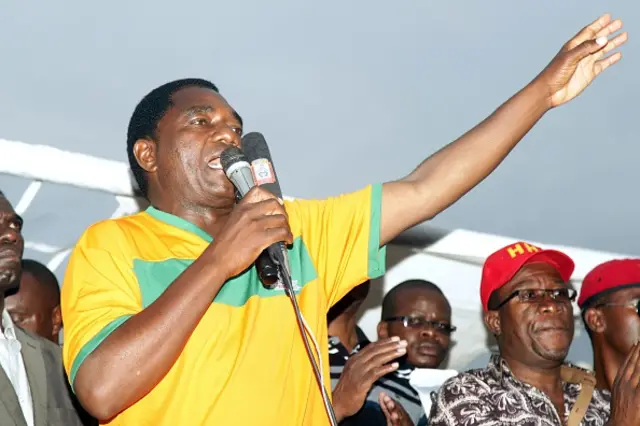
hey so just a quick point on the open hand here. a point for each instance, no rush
(581, 59)
(361, 371)
(393, 411)
(625, 392)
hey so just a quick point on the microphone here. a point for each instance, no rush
(256, 149)
(238, 170)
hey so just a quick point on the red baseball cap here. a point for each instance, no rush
(501, 266)
(614, 274)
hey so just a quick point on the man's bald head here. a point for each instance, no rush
(46, 280)
(35, 305)
(390, 300)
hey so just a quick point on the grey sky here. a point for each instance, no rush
(346, 92)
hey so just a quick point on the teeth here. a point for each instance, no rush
(215, 164)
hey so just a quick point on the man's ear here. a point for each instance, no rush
(56, 320)
(594, 320)
(145, 151)
(492, 321)
(383, 330)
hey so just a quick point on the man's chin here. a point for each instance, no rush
(8, 279)
(552, 353)
(221, 193)
(425, 362)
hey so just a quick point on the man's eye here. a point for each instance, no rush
(415, 321)
(198, 121)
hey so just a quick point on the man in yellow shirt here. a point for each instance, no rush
(166, 322)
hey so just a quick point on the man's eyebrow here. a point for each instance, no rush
(237, 116)
(14, 216)
(198, 109)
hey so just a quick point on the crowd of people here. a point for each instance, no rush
(166, 321)
(527, 303)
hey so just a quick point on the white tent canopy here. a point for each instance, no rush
(454, 263)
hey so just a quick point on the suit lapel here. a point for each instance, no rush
(10, 411)
(36, 374)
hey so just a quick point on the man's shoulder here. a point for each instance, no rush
(312, 215)
(50, 352)
(94, 235)
(44, 345)
(357, 196)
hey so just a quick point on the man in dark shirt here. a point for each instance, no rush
(365, 374)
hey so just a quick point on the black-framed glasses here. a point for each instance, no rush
(635, 304)
(418, 322)
(558, 295)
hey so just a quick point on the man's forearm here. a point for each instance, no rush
(450, 173)
(139, 353)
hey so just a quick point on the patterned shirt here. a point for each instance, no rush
(494, 396)
(396, 385)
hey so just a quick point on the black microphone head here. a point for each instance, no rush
(230, 156)
(255, 146)
(257, 153)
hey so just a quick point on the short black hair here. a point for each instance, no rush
(43, 276)
(389, 301)
(144, 120)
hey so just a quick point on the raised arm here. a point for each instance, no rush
(450, 173)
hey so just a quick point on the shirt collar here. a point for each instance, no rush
(8, 326)
(503, 373)
(362, 341)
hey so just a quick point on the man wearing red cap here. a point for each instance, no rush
(527, 307)
(609, 300)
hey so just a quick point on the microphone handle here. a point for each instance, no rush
(267, 269)
(267, 262)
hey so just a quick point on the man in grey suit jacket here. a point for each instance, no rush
(33, 389)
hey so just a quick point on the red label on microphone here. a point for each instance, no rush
(262, 171)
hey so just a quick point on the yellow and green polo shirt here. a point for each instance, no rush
(245, 363)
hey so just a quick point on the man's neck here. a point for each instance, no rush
(344, 328)
(548, 379)
(606, 364)
(209, 219)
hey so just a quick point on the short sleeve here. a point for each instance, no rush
(342, 236)
(99, 293)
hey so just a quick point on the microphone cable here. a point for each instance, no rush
(306, 333)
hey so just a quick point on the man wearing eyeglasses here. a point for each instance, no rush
(527, 307)
(373, 386)
(609, 300)
(418, 312)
